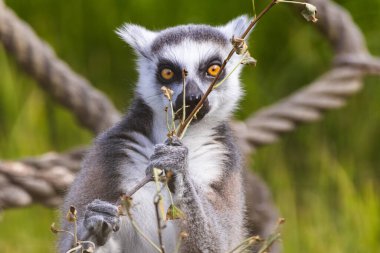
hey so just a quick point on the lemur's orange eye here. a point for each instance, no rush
(213, 70)
(167, 74)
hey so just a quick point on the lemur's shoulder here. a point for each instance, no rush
(138, 118)
(120, 142)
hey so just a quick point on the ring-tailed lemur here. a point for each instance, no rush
(206, 164)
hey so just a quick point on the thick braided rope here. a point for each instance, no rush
(330, 91)
(91, 108)
(43, 179)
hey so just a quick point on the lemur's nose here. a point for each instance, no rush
(193, 98)
(193, 95)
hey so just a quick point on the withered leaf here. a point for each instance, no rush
(168, 93)
(126, 202)
(174, 213)
(53, 228)
(71, 215)
(310, 12)
(89, 249)
(240, 45)
(249, 60)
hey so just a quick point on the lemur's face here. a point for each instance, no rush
(198, 49)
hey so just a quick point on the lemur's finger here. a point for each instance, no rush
(173, 141)
(101, 224)
(103, 207)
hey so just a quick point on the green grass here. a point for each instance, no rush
(27, 230)
(324, 177)
(326, 211)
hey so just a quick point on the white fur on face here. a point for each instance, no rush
(189, 54)
(187, 45)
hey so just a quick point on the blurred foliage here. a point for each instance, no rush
(325, 177)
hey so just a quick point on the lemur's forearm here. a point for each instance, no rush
(199, 224)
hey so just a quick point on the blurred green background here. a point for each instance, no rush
(324, 177)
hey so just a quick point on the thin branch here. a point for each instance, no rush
(139, 231)
(74, 249)
(159, 226)
(290, 2)
(157, 203)
(139, 185)
(181, 236)
(232, 71)
(269, 242)
(88, 242)
(184, 74)
(75, 231)
(249, 241)
(257, 18)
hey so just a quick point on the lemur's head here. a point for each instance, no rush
(200, 50)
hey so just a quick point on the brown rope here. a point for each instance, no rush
(330, 91)
(91, 108)
(42, 179)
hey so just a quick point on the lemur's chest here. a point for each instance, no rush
(205, 161)
(206, 154)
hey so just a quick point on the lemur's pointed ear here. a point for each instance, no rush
(236, 26)
(137, 37)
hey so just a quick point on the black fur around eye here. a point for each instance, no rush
(215, 62)
(168, 73)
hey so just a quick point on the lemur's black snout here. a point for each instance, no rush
(193, 100)
(193, 95)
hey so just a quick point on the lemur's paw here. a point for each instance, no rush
(171, 156)
(100, 219)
